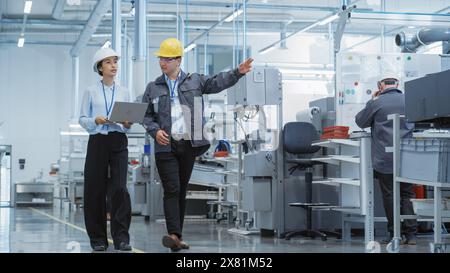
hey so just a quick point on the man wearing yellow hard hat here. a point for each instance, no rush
(175, 120)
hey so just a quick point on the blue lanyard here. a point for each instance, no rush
(108, 109)
(172, 88)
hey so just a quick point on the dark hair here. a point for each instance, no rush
(99, 64)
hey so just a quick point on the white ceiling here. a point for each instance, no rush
(262, 15)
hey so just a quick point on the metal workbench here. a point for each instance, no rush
(437, 246)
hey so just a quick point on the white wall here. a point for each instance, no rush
(35, 103)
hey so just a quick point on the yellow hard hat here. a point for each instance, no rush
(170, 48)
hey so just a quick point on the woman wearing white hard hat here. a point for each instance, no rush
(106, 157)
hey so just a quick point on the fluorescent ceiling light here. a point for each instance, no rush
(27, 8)
(328, 20)
(73, 2)
(190, 47)
(21, 42)
(233, 16)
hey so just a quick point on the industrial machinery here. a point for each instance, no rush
(145, 191)
(426, 100)
(423, 158)
(262, 187)
(357, 76)
(70, 184)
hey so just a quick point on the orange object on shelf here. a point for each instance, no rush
(335, 132)
(336, 128)
(419, 191)
(332, 136)
(221, 154)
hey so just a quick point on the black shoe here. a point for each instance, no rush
(171, 241)
(123, 247)
(388, 238)
(184, 245)
(411, 239)
(99, 248)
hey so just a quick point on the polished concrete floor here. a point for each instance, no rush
(43, 229)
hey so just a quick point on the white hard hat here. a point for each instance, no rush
(389, 74)
(102, 54)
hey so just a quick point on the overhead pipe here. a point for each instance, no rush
(383, 29)
(215, 25)
(140, 29)
(410, 42)
(36, 22)
(75, 85)
(94, 20)
(390, 31)
(140, 52)
(116, 26)
(116, 42)
(55, 43)
(254, 5)
(253, 29)
(175, 17)
(148, 16)
(244, 32)
(2, 3)
(344, 12)
(58, 9)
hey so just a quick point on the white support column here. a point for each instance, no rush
(75, 86)
(366, 188)
(140, 49)
(117, 33)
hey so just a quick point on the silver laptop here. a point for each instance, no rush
(128, 111)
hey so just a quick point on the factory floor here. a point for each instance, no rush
(44, 229)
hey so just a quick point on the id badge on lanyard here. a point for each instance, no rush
(155, 103)
(108, 109)
(172, 88)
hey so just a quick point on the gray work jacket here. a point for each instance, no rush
(191, 88)
(374, 115)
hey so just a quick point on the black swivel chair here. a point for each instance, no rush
(297, 139)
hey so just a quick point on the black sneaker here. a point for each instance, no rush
(123, 247)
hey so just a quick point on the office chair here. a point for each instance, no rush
(297, 139)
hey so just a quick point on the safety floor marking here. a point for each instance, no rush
(134, 250)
